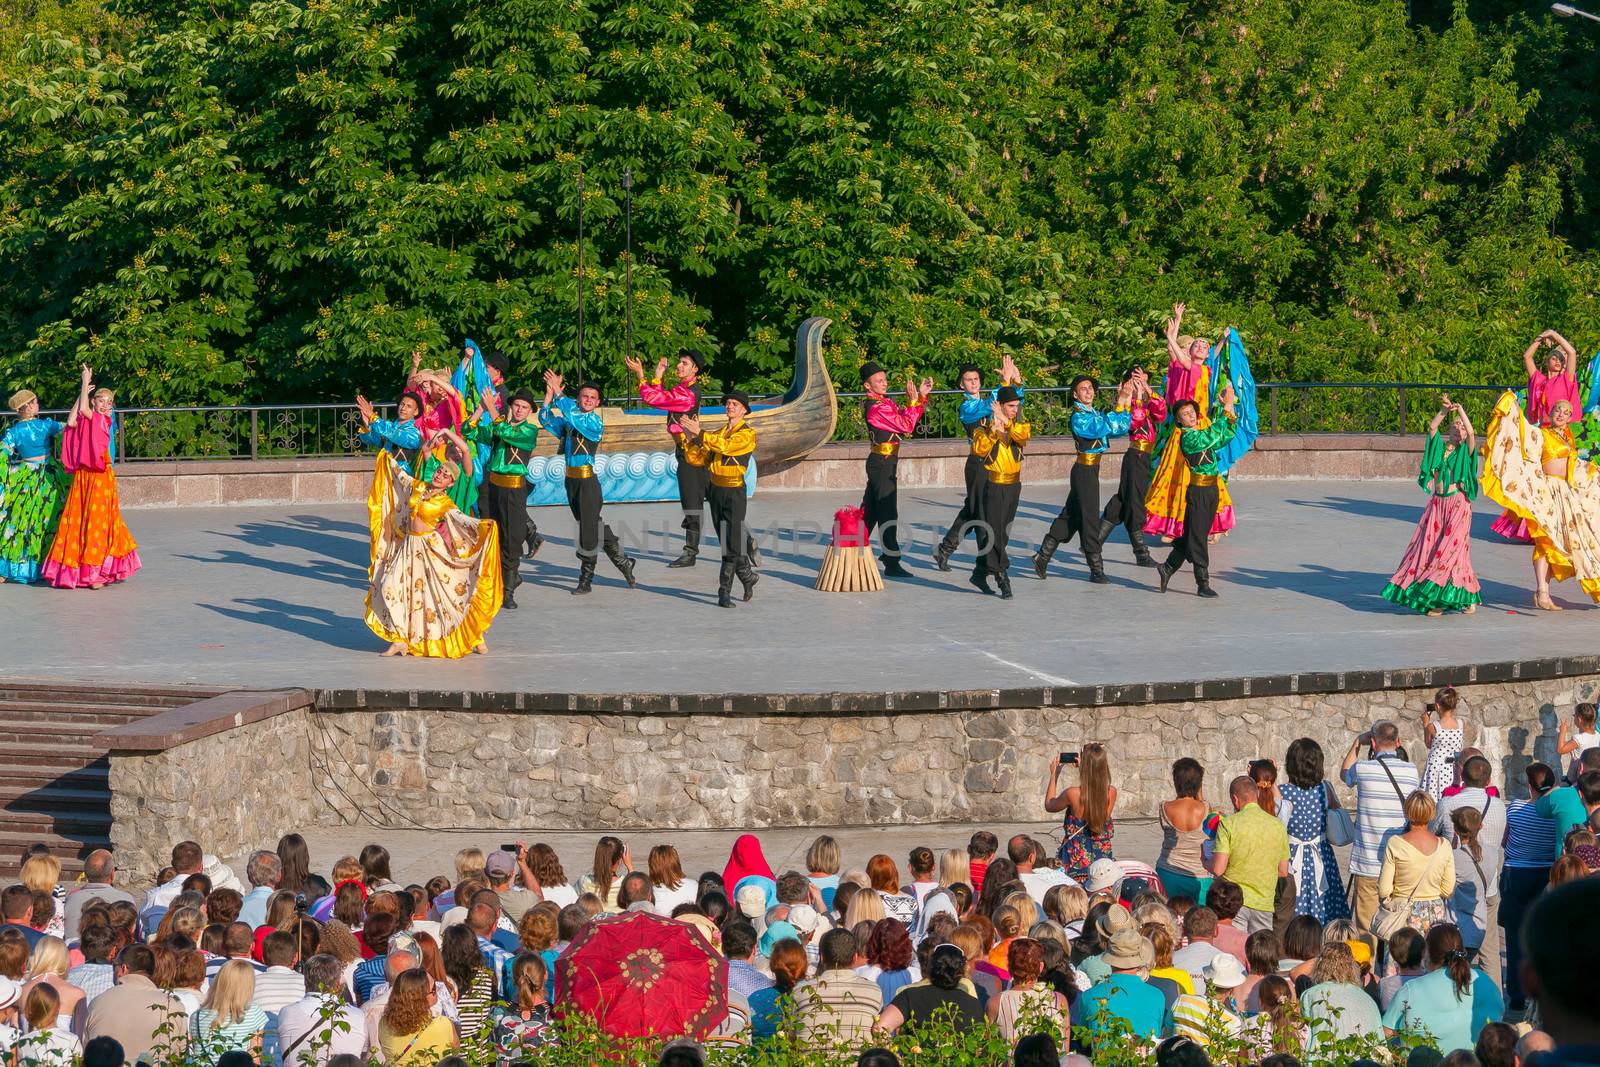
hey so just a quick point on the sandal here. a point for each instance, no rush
(1543, 602)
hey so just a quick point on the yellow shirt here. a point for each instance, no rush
(1184, 980)
(1001, 452)
(428, 1046)
(1407, 868)
(719, 450)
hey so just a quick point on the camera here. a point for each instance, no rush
(300, 905)
(1431, 708)
(1069, 758)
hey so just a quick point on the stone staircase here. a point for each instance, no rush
(53, 776)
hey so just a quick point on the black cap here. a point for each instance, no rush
(525, 394)
(737, 394)
(696, 357)
(1007, 394)
(496, 360)
(868, 369)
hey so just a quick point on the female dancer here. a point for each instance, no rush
(33, 490)
(439, 423)
(92, 545)
(1534, 472)
(1435, 574)
(1558, 381)
(435, 574)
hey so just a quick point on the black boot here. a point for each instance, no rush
(1097, 568)
(725, 582)
(752, 554)
(691, 542)
(893, 569)
(509, 580)
(1041, 558)
(944, 550)
(623, 563)
(980, 579)
(1141, 553)
(1106, 526)
(532, 542)
(585, 576)
(1202, 581)
(1004, 582)
(1164, 573)
(747, 578)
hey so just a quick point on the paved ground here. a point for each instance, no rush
(261, 597)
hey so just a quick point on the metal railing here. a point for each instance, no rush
(284, 431)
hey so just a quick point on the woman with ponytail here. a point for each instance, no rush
(1453, 1001)
(1469, 904)
(525, 1023)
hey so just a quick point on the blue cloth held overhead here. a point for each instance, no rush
(1230, 360)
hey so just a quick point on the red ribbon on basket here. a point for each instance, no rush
(849, 528)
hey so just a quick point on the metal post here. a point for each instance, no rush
(582, 282)
(1402, 409)
(1272, 398)
(255, 416)
(627, 200)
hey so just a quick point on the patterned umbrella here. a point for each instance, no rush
(639, 975)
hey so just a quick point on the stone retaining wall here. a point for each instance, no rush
(652, 767)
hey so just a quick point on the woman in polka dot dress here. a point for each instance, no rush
(92, 546)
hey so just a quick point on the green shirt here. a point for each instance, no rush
(1452, 472)
(513, 444)
(1255, 844)
(1197, 444)
(1565, 806)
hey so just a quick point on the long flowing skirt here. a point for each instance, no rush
(1563, 514)
(437, 602)
(1436, 572)
(92, 545)
(31, 498)
(1511, 528)
(1164, 503)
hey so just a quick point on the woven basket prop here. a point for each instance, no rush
(849, 565)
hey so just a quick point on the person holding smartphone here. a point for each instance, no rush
(1086, 824)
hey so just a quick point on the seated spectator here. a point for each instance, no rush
(1302, 942)
(955, 868)
(470, 975)
(1197, 1016)
(746, 862)
(1453, 1001)
(822, 867)
(320, 1024)
(837, 1004)
(135, 1013)
(968, 937)
(668, 886)
(99, 874)
(1026, 1000)
(227, 1021)
(891, 961)
(1200, 930)
(611, 861)
(102, 1052)
(1276, 1026)
(524, 1024)
(46, 1042)
(1226, 898)
(1405, 963)
(16, 908)
(636, 893)
(1497, 1045)
(1334, 1006)
(1173, 982)
(1123, 996)
(1067, 905)
(1261, 954)
(980, 851)
(263, 870)
(546, 868)
(409, 1034)
(923, 881)
(279, 985)
(739, 941)
(1561, 940)
(769, 1006)
(1023, 851)
(918, 1005)
(897, 904)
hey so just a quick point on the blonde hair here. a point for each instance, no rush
(232, 990)
(346, 868)
(1420, 808)
(1027, 910)
(865, 906)
(955, 867)
(967, 938)
(40, 873)
(469, 861)
(49, 957)
(111, 396)
(823, 856)
(1074, 902)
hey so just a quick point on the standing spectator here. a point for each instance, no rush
(1087, 826)
(409, 1034)
(1181, 865)
(897, 905)
(264, 871)
(99, 872)
(228, 1021)
(1477, 795)
(1575, 736)
(1561, 942)
(1124, 996)
(500, 870)
(279, 985)
(1452, 1000)
(1405, 963)
(16, 907)
(941, 997)
(981, 848)
(1197, 1015)
(838, 1005)
(135, 1009)
(822, 867)
(1475, 887)
(1530, 850)
(1335, 1006)
(1252, 850)
(320, 1025)
(1571, 806)
(1027, 1000)
(1445, 738)
(1382, 783)
(1418, 867)
(1227, 900)
(1307, 799)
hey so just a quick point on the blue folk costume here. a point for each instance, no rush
(399, 437)
(580, 432)
(974, 411)
(33, 491)
(1092, 432)
(470, 379)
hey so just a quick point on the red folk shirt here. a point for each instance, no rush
(888, 417)
(1147, 417)
(679, 400)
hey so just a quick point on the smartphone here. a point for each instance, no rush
(511, 848)
(1069, 758)
(1431, 708)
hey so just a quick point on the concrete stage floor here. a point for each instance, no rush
(268, 597)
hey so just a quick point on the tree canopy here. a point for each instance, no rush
(279, 201)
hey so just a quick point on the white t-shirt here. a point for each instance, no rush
(1585, 743)
(52, 1047)
(561, 895)
(1041, 881)
(667, 899)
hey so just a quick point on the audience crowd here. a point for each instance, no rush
(1462, 932)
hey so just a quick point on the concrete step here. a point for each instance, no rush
(49, 797)
(143, 696)
(93, 776)
(43, 731)
(45, 711)
(68, 823)
(44, 756)
(69, 848)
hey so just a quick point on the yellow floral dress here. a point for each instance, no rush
(436, 601)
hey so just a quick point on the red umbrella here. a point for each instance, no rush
(639, 975)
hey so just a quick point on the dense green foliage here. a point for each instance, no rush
(279, 200)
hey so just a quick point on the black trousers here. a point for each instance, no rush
(1199, 509)
(693, 482)
(1081, 513)
(509, 510)
(999, 508)
(728, 506)
(584, 498)
(881, 502)
(1519, 887)
(971, 507)
(1126, 507)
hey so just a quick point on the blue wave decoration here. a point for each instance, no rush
(625, 477)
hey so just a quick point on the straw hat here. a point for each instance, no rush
(1224, 971)
(21, 397)
(1128, 951)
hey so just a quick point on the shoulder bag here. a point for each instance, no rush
(1394, 914)
(1341, 828)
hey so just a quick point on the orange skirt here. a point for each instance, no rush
(92, 545)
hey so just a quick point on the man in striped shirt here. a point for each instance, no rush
(1382, 783)
(278, 986)
(1530, 849)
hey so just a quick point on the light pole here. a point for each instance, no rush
(1567, 11)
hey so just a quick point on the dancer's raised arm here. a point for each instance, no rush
(82, 405)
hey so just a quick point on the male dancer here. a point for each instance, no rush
(725, 454)
(887, 424)
(974, 411)
(579, 428)
(1200, 499)
(398, 436)
(1126, 507)
(505, 500)
(998, 442)
(1092, 432)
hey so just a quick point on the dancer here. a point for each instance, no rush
(435, 572)
(1126, 506)
(887, 424)
(579, 428)
(974, 411)
(725, 455)
(33, 490)
(511, 443)
(1534, 472)
(1199, 445)
(399, 436)
(1435, 574)
(440, 425)
(998, 442)
(1092, 432)
(1558, 381)
(92, 545)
